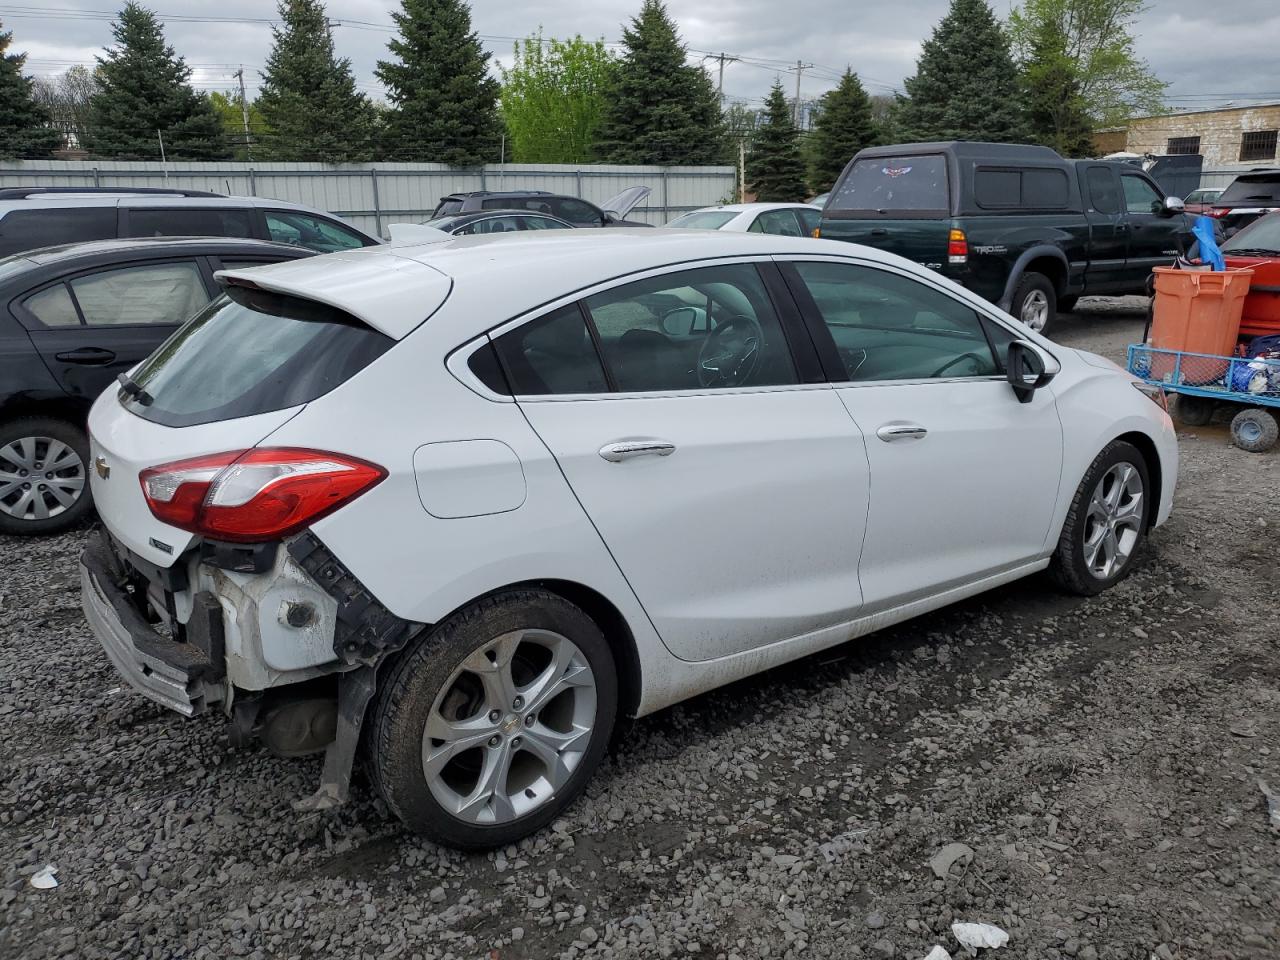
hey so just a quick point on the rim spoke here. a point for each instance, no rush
(563, 672)
(459, 736)
(66, 492)
(1130, 514)
(19, 508)
(39, 508)
(550, 747)
(491, 787)
(9, 483)
(492, 665)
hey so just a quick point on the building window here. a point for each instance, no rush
(1258, 145)
(1182, 146)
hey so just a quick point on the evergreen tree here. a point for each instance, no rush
(25, 133)
(308, 97)
(143, 94)
(658, 109)
(444, 103)
(1056, 112)
(966, 85)
(844, 126)
(775, 169)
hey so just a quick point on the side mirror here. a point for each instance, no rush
(1172, 206)
(1029, 368)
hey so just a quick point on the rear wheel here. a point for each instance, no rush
(44, 477)
(1254, 430)
(1194, 411)
(493, 722)
(1035, 302)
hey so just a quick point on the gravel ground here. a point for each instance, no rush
(1100, 761)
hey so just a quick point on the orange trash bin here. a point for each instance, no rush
(1197, 311)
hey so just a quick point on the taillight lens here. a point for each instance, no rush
(957, 247)
(255, 495)
(1219, 212)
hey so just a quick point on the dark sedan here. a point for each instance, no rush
(72, 318)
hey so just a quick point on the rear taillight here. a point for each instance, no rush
(957, 247)
(1219, 212)
(255, 495)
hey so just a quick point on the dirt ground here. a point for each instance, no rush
(1100, 759)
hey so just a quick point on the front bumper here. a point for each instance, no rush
(177, 675)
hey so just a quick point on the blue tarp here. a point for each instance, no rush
(1209, 252)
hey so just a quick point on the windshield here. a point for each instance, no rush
(1262, 236)
(1245, 190)
(885, 185)
(253, 354)
(704, 219)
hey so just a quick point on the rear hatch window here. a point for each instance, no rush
(251, 352)
(1250, 191)
(909, 186)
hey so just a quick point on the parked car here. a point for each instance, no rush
(658, 462)
(783, 219)
(72, 319)
(1257, 247)
(1201, 200)
(33, 217)
(820, 200)
(1246, 198)
(574, 210)
(1019, 225)
(496, 221)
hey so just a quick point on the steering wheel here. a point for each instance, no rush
(971, 355)
(731, 354)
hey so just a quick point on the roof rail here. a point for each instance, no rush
(22, 193)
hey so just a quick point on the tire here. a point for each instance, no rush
(1254, 430)
(1067, 304)
(432, 682)
(1035, 302)
(1077, 568)
(61, 495)
(1194, 411)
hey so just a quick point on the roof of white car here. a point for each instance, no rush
(750, 207)
(494, 278)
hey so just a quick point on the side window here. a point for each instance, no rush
(575, 211)
(709, 328)
(1102, 190)
(811, 218)
(1139, 196)
(780, 222)
(53, 307)
(553, 354)
(889, 327)
(314, 233)
(490, 225)
(28, 229)
(541, 223)
(178, 222)
(156, 293)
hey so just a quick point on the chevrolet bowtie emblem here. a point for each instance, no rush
(104, 471)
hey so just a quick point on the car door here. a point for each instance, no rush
(1108, 240)
(93, 326)
(1154, 236)
(730, 490)
(964, 478)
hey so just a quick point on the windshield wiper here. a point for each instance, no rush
(133, 391)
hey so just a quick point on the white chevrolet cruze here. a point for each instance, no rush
(458, 505)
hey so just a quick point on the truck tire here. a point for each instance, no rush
(1254, 430)
(1035, 302)
(44, 476)
(1193, 411)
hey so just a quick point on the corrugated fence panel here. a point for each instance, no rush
(372, 196)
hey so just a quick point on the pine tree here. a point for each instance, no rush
(966, 85)
(308, 97)
(25, 133)
(844, 126)
(144, 94)
(775, 169)
(658, 109)
(444, 103)
(1056, 112)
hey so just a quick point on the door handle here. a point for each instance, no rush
(92, 356)
(879, 232)
(901, 431)
(628, 449)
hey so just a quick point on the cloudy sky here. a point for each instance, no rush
(1185, 41)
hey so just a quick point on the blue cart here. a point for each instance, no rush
(1202, 381)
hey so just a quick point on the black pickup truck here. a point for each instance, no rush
(1019, 225)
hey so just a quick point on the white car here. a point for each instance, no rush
(478, 498)
(780, 219)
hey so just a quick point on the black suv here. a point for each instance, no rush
(574, 210)
(1019, 225)
(1248, 197)
(72, 319)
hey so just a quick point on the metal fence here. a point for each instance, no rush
(372, 196)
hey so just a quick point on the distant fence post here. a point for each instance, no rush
(96, 180)
(578, 176)
(666, 206)
(377, 206)
(253, 184)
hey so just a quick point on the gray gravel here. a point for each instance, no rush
(1099, 758)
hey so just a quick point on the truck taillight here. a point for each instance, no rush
(255, 495)
(957, 247)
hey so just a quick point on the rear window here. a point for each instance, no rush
(708, 220)
(887, 185)
(46, 226)
(253, 354)
(448, 208)
(1244, 192)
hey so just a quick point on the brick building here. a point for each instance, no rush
(1227, 137)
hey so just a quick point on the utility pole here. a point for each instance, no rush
(799, 68)
(244, 112)
(720, 83)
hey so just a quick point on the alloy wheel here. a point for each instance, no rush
(1035, 310)
(40, 477)
(1113, 523)
(509, 727)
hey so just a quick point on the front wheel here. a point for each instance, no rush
(1035, 302)
(44, 477)
(1106, 523)
(492, 723)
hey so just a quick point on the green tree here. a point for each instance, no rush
(844, 126)
(1114, 82)
(775, 169)
(308, 99)
(1055, 110)
(659, 110)
(444, 103)
(553, 99)
(25, 132)
(143, 94)
(966, 85)
(230, 112)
